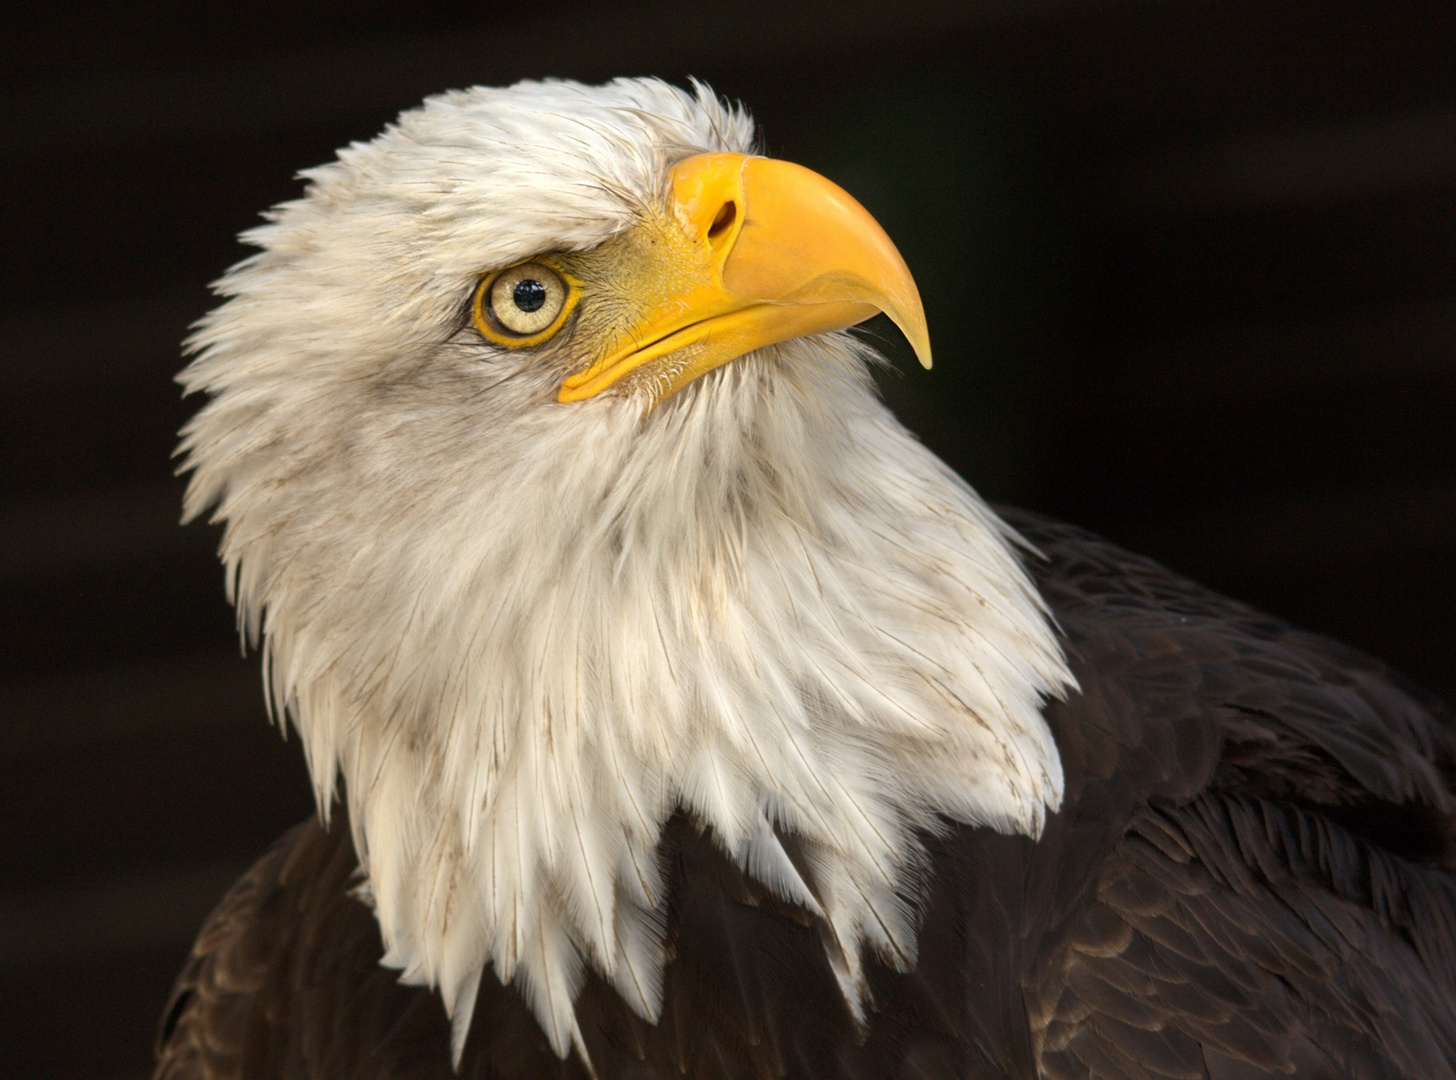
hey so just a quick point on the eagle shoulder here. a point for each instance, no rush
(1253, 871)
(284, 980)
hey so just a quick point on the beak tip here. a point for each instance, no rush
(910, 318)
(918, 335)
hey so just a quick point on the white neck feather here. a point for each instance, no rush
(765, 603)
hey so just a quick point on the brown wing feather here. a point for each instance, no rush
(1233, 937)
(1252, 874)
(1282, 905)
(284, 981)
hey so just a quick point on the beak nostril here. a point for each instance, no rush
(727, 214)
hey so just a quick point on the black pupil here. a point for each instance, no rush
(529, 295)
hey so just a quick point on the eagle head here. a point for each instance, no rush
(559, 501)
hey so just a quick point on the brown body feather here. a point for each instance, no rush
(1253, 874)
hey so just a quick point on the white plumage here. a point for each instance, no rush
(525, 632)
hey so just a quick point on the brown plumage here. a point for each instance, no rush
(1253, 874)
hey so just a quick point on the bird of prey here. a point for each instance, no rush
(673, 712)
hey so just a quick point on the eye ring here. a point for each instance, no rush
(524, 304)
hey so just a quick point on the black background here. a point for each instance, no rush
(1190, 275)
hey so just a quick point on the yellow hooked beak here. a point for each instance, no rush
(770, 251)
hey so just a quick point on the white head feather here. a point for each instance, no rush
(526, 632)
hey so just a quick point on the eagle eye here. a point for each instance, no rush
(524, 304)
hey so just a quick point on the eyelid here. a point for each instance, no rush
(490, 329)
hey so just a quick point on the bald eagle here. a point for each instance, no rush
(671, 711)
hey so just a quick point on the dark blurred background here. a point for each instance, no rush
(1189, 269)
